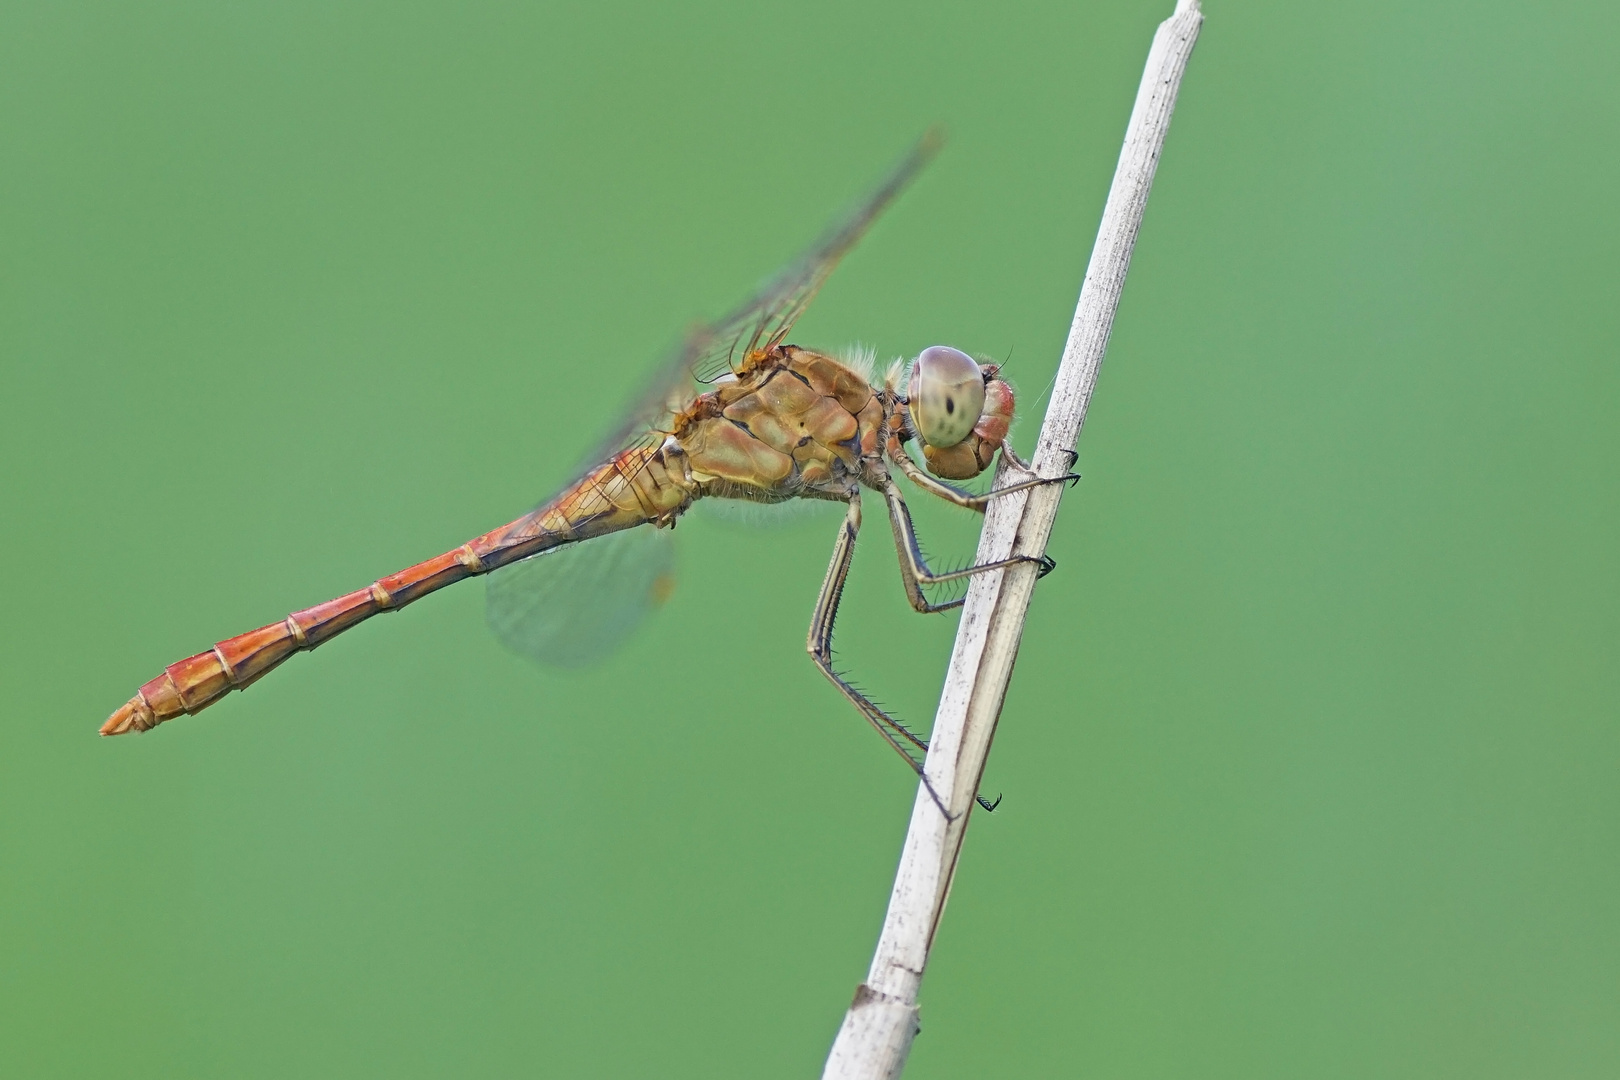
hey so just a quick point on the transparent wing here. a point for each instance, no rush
(572, 606)
(762, 321)
(745, 514)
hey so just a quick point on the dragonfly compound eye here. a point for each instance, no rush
(946, 395)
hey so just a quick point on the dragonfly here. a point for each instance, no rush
(734, 412)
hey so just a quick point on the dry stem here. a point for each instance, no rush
(878, 1029)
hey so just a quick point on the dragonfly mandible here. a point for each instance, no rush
(734, 413)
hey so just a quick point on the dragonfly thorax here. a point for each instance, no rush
(792, 423)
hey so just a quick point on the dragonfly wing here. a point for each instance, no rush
(757, 516)
(764, 319)
(574, 605)
(712, 350)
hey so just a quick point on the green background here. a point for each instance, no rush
(1310, 760)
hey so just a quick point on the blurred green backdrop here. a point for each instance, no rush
(1310, 761)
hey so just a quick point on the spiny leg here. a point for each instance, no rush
(953, 494)
(914, 571)
(819, 645)
(1012, 456)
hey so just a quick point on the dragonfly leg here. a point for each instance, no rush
(819, 644)
(1012, 455)
(914, 571)
(953, 494)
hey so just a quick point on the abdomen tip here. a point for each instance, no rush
(134, 715)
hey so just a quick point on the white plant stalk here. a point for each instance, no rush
(877, 1031)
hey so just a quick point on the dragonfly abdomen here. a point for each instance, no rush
(191, 685)
(631, 489)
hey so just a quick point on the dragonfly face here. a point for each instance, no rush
(946, 395)
(957, 409)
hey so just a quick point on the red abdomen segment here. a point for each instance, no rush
(632, 489)
(193, 684)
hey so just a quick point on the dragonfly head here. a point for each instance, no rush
(960, 411)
